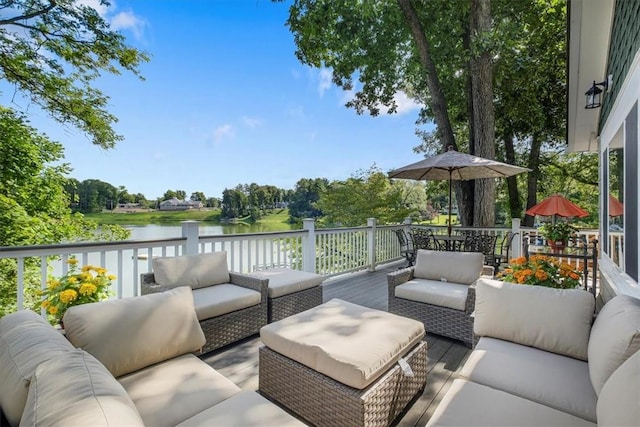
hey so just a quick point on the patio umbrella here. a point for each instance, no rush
(616, 208)
(557, 205)
(453, 165)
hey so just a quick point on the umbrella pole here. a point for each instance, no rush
(449, 226)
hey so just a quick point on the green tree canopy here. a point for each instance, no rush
(52, 51)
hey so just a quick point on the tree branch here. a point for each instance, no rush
(15, 19)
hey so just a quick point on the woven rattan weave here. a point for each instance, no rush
(288, 305)
(230, 327)
(323, 401)
(439, 320)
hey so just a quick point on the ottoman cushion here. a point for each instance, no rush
(284, 281)
(347, 342)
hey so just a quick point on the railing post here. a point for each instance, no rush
(371, 223)
(190, 230)
(407, 225)
(516, 243)
(309, 245)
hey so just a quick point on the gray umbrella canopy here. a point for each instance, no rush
(453, 165)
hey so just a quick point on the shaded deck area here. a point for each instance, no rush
(239, 362)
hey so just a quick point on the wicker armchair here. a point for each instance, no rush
(229, 327)
(437, 319)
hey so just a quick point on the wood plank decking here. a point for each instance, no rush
(239, 362)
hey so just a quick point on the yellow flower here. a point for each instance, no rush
(53, 309)
(72, 261)
(87, 289)
(52, 284)
(73, 279)
(45, 304)
(68, 295)
(100, 270)
(86, 268)
(111, 277)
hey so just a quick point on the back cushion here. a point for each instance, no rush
(76, 390)
(26, 340)
(132, 333)
(462, 268)
(195, 271)
(619, 397)
(614, 337)
(556, 320)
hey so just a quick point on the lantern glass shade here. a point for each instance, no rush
(594, 96)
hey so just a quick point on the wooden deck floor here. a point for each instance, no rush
(239, 362)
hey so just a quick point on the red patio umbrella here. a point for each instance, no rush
(616, 208)
(557, 205)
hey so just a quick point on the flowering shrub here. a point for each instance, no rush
(78, 286)
(540, 270)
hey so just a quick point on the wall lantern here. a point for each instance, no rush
(594, 94)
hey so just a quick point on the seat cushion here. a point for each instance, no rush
(556, 320)
(619, 397)
(615, 336)
(435, 292)
(284, 281)
(463, 268)
(347, 342)
(26, 341)
(557, 381)
(245, 409)
(469, 404)
(132, 333)
(168, 393)
(74, 389)
(195, 271)
(214, 301)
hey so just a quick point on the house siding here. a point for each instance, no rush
(625, 42)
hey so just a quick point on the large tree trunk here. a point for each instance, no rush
(483, 115)
(532, 178)
(438, 104)
(515, 205)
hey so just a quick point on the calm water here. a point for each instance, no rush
(161, 231)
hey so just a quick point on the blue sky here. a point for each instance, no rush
(226, 102)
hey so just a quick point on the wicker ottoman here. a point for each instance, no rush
(339, 364)
(291, 291)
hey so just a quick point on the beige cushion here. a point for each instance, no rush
(216, 300)
(170, 392)
(456, 267)
(615, 336)
(284, 281)
(435, 292)
(347, 342)
(557, 381)
(245, 409)
(556, 320)
(619, 397)
(74, 389)
(132, 333)
(26, 340)
(195, 271)
(470, 404)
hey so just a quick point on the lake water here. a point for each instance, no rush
(161, 231)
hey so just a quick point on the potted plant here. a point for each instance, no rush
(540, 270)
(557, 234)
(78, 286)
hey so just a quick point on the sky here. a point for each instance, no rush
(224, 102)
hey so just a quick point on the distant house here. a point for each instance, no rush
(128, 205)
(179, 205)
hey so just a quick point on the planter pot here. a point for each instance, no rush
(557, 246)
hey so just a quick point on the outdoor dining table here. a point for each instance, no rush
(450, 243)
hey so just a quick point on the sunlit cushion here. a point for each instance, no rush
(435, 292)
(462, 268)
(284, 281)
(619, 397)
(195, 271)
(214, 301)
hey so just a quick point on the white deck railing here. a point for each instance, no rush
(328, 252)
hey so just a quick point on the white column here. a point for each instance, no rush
(190, 230)
(371, 223)
(309, 245)
(516, 243)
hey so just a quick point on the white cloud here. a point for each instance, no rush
(325, 80)
(251, 122)
(128, 21)
(403, 102)
(223, 132)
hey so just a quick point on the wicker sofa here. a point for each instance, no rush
(542, 360)
(438, 291)
(125, 362)
(230, 306)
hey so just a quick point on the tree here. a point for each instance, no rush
(177, 194)
(367, 194)
(52, 51)
(198, 196)
(302, 202)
